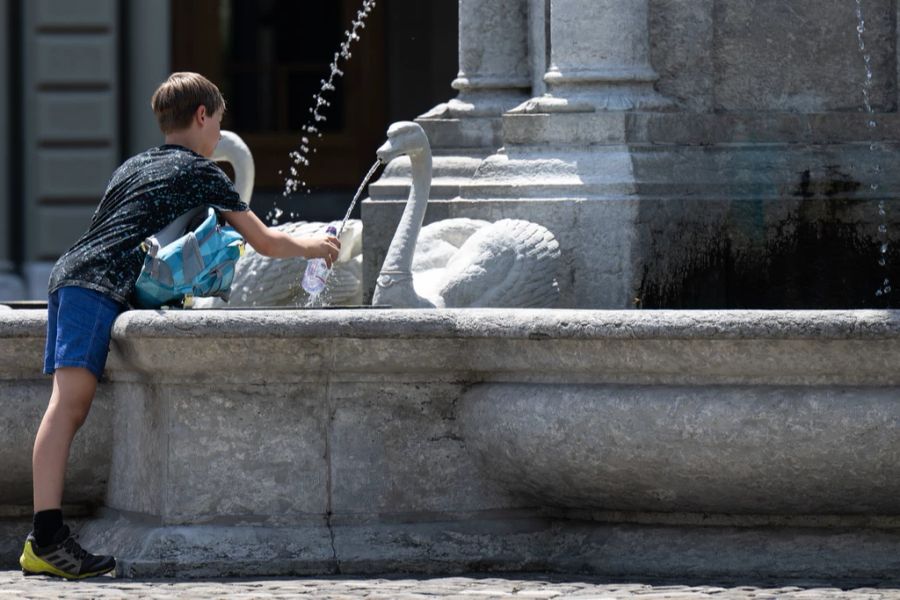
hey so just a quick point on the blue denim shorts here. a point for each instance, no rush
(79, 322)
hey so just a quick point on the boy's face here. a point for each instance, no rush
(210, 132)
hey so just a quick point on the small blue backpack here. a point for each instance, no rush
(186, 261)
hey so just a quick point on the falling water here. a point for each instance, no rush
(359, 193)
(872, 124)
(301, 157)
(322, 298)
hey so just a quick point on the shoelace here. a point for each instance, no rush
(75, 548)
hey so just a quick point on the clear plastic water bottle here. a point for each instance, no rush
(317, 271)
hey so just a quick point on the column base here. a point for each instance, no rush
(607, 100)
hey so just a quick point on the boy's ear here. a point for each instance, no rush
(200, 114)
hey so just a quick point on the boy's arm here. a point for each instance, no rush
(277, 244)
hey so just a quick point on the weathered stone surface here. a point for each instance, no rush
(406, 434)
(801, 55)
(609, 549)
(690, 449)
(24, 393)
(681, 42)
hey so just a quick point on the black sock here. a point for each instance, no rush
(46, 524)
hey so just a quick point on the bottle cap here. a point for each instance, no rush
(331, 230)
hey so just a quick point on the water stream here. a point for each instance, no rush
(322, 298)
(872, 125)
(358, 194)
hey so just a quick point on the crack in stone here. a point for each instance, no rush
(337, 562)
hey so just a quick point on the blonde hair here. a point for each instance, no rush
(176, 100)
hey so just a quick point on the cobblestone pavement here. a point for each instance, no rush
(533, 587)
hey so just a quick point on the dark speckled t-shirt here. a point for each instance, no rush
(145, 194)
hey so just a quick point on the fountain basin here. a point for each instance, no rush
(447, 440)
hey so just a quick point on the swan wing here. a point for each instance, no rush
(511, 263)
(453, 231)
(439, 241)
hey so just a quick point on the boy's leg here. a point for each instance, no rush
(73, 392)
(56, 552)
(79, 322)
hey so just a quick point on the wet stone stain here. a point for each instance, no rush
(815, 247)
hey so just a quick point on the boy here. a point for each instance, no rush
(93, 281)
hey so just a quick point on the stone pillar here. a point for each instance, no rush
(494, 73)
(539, 43)
(600, 58)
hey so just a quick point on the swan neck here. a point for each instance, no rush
(244, 176)
(400, 254)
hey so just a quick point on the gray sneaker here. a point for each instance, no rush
(63, 557)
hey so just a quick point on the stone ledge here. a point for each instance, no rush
(522, 324)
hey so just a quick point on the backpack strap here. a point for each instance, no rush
(151, 247)
(191, 258)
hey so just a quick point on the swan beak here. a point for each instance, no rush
(387, 152)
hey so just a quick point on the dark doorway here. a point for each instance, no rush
(269, 57)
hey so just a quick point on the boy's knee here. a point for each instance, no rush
(73, 394)
(73, 412)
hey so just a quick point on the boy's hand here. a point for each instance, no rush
(326, 247)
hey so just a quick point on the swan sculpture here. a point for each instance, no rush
(263, 281)
(467, 263)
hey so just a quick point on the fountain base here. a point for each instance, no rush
(703, 444)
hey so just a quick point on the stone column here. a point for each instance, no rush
(494, 73)
(600, 58)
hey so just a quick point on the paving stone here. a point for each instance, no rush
(13, 585)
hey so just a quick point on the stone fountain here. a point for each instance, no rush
(686, 154)
(683, 152)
